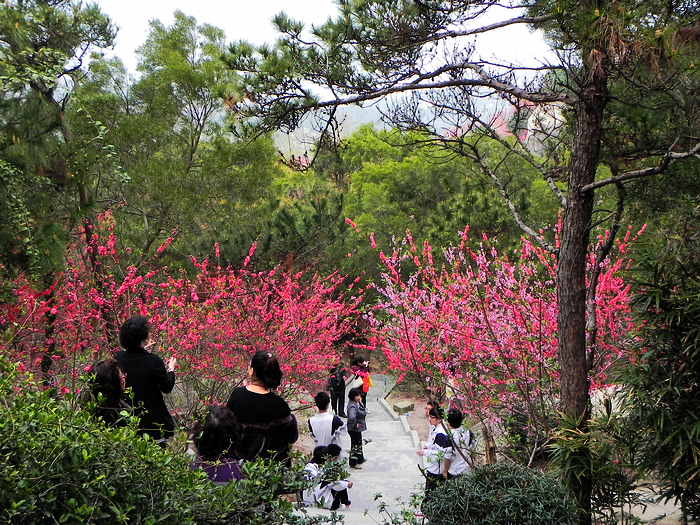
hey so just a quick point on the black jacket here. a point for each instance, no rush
(149, 380)
(268, 426)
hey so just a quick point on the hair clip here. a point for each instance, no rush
(269, 354)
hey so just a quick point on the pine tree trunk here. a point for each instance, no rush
(571, 278)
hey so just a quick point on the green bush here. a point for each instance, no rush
(501, 494)
(661, 387)
(608, 454)
(60, 465)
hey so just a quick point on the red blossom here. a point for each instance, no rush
(212, 322)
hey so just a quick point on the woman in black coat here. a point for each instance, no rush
(148, 377)
(268, 426)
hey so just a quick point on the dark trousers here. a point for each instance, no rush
(356, 455)
(339, 496)
(338, 402)
(432, 481)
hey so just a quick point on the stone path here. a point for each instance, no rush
(391, 468)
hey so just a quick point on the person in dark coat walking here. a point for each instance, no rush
(148, 377)
(336, 386)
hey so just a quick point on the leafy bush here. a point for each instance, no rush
(501, 494)
(661, 387)
(608, 453)
(59, 465)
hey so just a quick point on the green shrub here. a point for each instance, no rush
(501, 494)
(59, 465)
(661, 387)
(608, 454)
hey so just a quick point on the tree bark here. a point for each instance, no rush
(571, 278)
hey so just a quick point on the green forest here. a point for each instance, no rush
(487, 188)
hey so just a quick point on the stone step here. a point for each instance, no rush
(391, 468)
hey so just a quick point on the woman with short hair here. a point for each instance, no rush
(148, 377)
(356, 425)
(463, 442)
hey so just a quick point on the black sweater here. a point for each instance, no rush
(149, 380)
(267, 423)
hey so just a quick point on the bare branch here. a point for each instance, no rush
(491, 27)
(511, 206)
(668, 160)
(549, 177)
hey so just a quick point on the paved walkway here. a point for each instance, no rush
(391, 468)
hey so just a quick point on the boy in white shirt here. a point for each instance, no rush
(325, 428)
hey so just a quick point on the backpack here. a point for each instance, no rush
(335, 382)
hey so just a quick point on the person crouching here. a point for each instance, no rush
(327, 493)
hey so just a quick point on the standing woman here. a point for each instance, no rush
(356, 425)
(268, 426)
(360, 367)
(436, 451)
(149, 379)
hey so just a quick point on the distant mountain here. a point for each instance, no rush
(303, 139)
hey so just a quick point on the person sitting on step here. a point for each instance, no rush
(327, 492)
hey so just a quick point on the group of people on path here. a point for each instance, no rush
(254, 423)
(326, 428)
(359, 381)
(258, 423)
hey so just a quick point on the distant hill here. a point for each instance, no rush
(302, 140)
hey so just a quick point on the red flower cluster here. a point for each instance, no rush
(212, 322)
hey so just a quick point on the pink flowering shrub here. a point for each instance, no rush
(482, 330)
(212, 322)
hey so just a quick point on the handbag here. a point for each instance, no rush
(355, 382)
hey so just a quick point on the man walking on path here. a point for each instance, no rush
(336, 386)
(325, 428)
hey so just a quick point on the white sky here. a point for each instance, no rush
(240, 19)
(251, 20)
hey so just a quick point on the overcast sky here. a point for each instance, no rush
(251, 20)
(240, 19)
